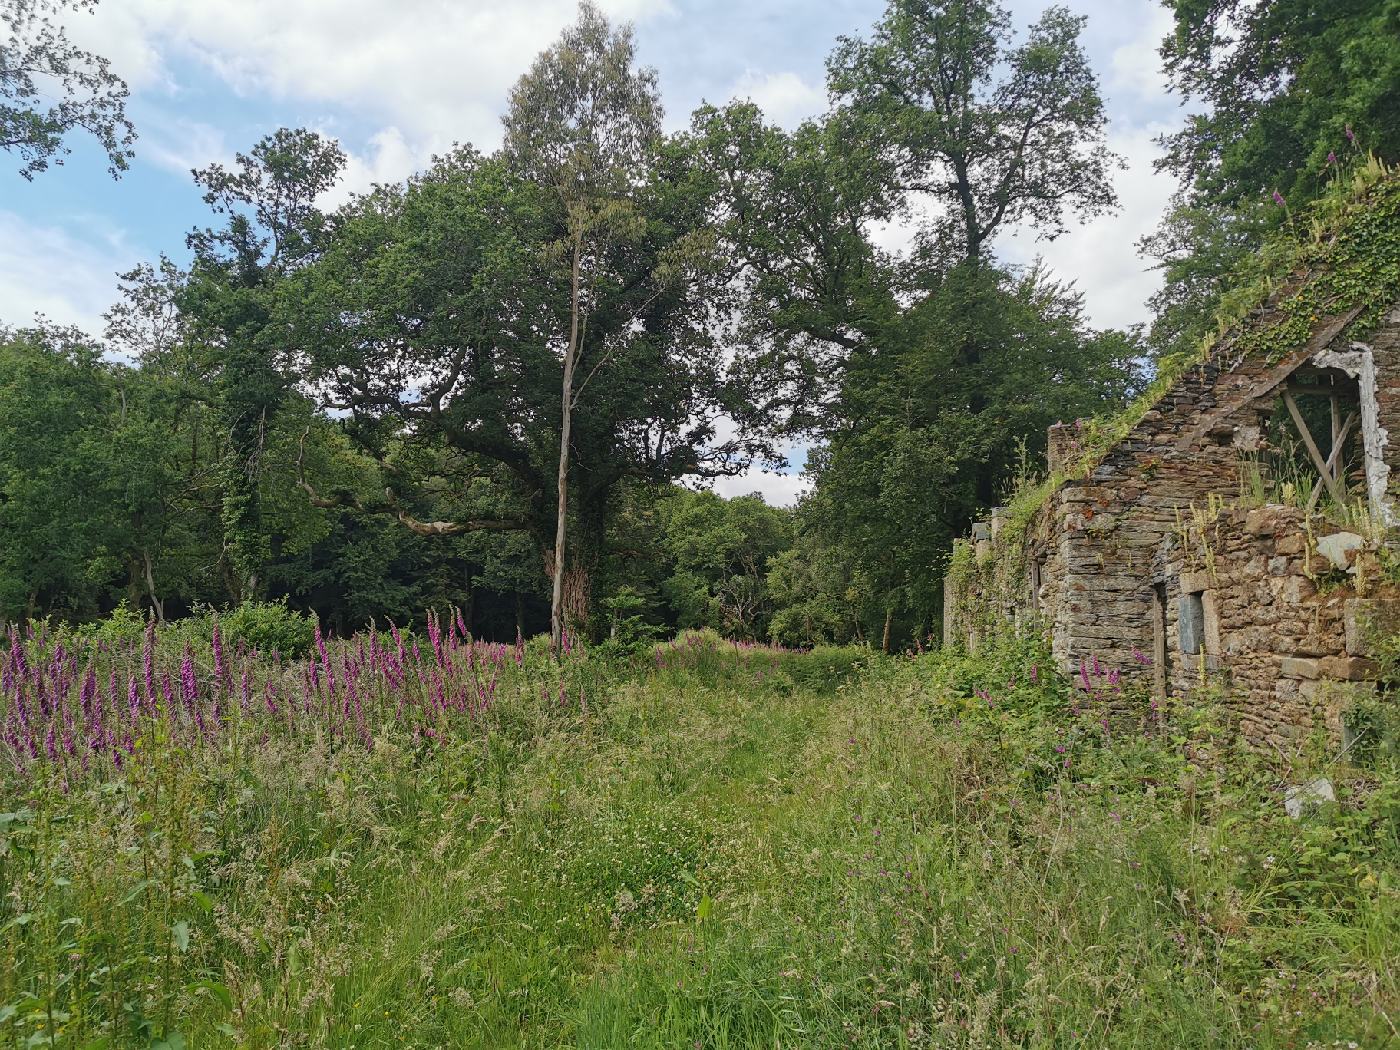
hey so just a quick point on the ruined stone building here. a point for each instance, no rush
(1234, 528)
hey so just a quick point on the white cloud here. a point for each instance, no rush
(785, 98)
(779, 490)
(118, 32)
(1135, 68)
(181, 145)
(45, 270)
(1101, 255)
(390, 159)
(435, 69)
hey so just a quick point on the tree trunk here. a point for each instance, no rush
(156, 603)
(556, 608)
(575, 588)
(885, 643)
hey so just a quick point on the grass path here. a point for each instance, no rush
(721, 852)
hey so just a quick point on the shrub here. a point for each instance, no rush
(269, 627)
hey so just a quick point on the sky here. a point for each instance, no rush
(396, 81)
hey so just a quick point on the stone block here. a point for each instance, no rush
(1263, 521)
(1349, 668)
(1190, 623)
(1340, 548)
(1293, 544)
(1362, 616)
(1195, 582)
(1296, 667)
(1296, 589)
(1304, 797)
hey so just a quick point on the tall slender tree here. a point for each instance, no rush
(585, 124)
(273, 228)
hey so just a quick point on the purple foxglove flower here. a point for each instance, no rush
(189, 685)
(216, 643)
(148, 656)
(1278, 199)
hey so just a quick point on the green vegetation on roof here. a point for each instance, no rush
(1343, 255)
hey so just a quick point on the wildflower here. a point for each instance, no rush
(216, 643)
(1278, 198)
(148, 654)
(1331, 158)
(1351, 135)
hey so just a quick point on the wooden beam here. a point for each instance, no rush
(1338, 493)
(1271, 380)
(1332, 459)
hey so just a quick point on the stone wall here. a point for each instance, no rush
(1284, 614)
(1102, 559)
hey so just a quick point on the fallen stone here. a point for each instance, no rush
(1299, 799)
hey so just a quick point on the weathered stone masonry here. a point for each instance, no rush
(1155, 562)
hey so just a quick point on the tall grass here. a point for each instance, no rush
(710, 845)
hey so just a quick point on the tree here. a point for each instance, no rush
(719, 553)
(49, 88)
(584, 125)
(273, 229)
(996, 133)
(439, 322)
(793, 212)
(1289, 93)
(93, 497)
(922, 375)
(1283, 85)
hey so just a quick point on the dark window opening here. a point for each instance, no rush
(1314, 451)
(1160, 678)
(1190, 623)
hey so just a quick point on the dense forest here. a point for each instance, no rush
(536, 358)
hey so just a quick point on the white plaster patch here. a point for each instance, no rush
(1359, 363)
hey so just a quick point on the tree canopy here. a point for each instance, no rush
(49, 88)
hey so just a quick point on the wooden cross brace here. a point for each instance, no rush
(1325, 467)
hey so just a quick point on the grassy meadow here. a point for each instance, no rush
(398, 841)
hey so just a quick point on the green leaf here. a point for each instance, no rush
(706, 906)
(181, 932)
(217, 990)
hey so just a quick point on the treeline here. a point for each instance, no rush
(487, 386)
